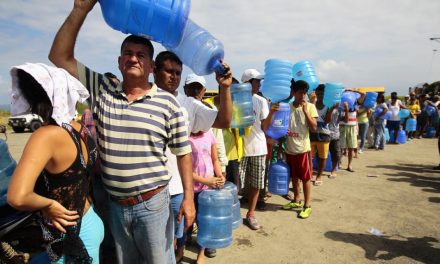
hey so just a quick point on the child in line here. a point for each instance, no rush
(303, 117)
(207, 171)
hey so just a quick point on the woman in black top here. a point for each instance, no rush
(53, 179)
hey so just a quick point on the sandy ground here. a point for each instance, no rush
(394, 191)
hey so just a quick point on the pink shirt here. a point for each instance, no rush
(201, 157)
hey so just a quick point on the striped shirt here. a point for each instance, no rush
(132, 136)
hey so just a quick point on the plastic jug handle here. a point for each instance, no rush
(218, 67)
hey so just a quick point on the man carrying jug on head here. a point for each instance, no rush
(253, 164)
(136, 121)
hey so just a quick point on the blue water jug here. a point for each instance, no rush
(7, 167)
(401, 137)
(411, 125)
(279, 175)
(391, 136)
(277, 79)
(161, 21)
(430, 110)
(332, 94)
(328, 163)
(214, 218)
(370, 99)
(387, 135)
(304, 70)
(350, 98)
(280, 122)
(386, 116)
(199, 50)
(236, 216)
(404, 113)
(242, 106)
(430, 132)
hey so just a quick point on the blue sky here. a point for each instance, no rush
(356, 42)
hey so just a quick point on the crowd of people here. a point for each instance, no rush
(148, 151)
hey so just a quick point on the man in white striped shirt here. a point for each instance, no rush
(135, 121)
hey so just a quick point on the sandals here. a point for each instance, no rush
(332, 176)
(350, 170)
(318, 183)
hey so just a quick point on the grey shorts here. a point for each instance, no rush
(335, 150)
(252, 168)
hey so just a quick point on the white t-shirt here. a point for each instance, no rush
(175, 184)
(255, 142)
(200, 116)
(394, 110)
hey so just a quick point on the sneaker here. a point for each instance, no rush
(210, 252)
(291, 206)
(360, 151)
(305, 213)
(252, 222)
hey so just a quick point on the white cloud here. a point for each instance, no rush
(356, 42)
(331, 71)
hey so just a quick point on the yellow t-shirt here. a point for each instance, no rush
(413, 108)
(297, 139)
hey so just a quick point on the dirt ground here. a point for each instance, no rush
(394, 191)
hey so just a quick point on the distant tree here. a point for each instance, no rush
(432, 88)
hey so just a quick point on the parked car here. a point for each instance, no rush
(30, 121)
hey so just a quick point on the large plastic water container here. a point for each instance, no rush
(430, 110)
(386, 116)
(430, 132)
(242, 106)
(280, 122)
(214, 218)
(277, 79)
(403, 113)
(391, 136)
(7, 167)
(370, 99)
(411, 125)
(387, 134)
(401, 137)
(279, 175)
(161, 21)
(236, 216)
(332, 94)
(304, 70)
(199, 50)
(328, 163)
(348, 97)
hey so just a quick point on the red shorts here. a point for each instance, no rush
(301, 166)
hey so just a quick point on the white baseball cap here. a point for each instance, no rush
(192, 78)
(251, 74)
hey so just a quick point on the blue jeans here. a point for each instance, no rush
(101, 207)
(379, 135)
(144, 232)
(363, 129)
(176, 201)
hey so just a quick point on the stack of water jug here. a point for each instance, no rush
(276, 86)
(167, 22)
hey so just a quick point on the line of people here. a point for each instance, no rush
(158, 149)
